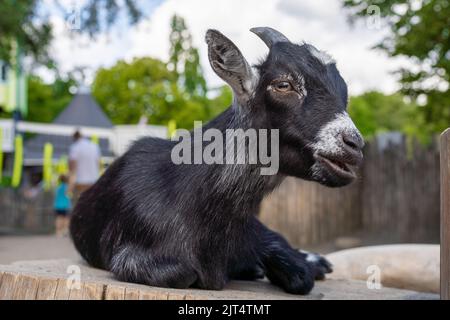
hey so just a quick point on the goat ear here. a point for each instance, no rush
(229, 64)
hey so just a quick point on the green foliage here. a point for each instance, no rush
(24, 22)
(194, 82)
(180, 40)
(373, 112)
(99, 15)
(146, 87)
(420, 30)
(161, 92)
(222, 100)
(128, 90)
(46, 101)
(184, 59)
(19, 23)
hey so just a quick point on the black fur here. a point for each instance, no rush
(153, 222)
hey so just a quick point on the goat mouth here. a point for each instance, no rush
(338, 167)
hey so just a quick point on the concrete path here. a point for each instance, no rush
(16, 248)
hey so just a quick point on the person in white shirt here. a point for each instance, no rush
(84, 164)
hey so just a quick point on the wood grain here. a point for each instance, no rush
(47, 289)
(48, 280)
(445, 215)
(395, 198)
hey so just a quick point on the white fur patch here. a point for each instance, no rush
(324, 57)
(328, 138)
(310, 257)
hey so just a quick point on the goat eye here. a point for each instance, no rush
(283, 86)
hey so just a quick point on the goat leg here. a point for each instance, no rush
(288, 268)
(132, 263)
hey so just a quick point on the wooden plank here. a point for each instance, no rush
(162, 295)
(62, 290)
(1, 281)
(114, 292)
(194, 297)
(397, 198)
(47, 289)
(76, 293)
(7, 285)
(147, 295)
(445, 215)
(131, 294)
(93, 291)
(176, 296)
(100, 280)
(25, 288)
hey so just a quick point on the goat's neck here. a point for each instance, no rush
(241, 183)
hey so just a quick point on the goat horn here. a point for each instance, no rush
(269, 36)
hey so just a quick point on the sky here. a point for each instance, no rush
(322, 23)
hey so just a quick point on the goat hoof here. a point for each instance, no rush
(319, 265)
(301, 283)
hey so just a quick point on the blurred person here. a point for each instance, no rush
(33, 186)
(62, 206)
(84, 164)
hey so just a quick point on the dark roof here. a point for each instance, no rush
(81, 111)
(34, 147)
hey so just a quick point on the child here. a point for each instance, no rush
(62, 206)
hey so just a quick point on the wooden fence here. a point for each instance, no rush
(30, 214)
(396, 198)
(445, 215)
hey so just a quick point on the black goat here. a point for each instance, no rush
(154, 222)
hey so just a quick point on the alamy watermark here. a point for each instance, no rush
(73, 18)
(374, 17)
(374, 280)
(73, 281)
(232, 147)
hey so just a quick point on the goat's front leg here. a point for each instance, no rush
(288, 268)
(320, 265)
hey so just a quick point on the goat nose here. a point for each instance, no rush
(353, 140)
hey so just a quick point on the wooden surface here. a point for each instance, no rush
(48, 280)
(396, 198)
(445, 215)
(404, 266)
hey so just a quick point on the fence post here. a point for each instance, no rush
(445, 214)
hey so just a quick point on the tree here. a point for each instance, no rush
(20, 24)
(420, 30)
(100, 15)
(175, 90)
(128, 90)
(222, 99)
(184, 58)
(46, 101)
(23, 22)
(374, 112)
(145, 86)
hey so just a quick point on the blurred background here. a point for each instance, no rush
(121, 69)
